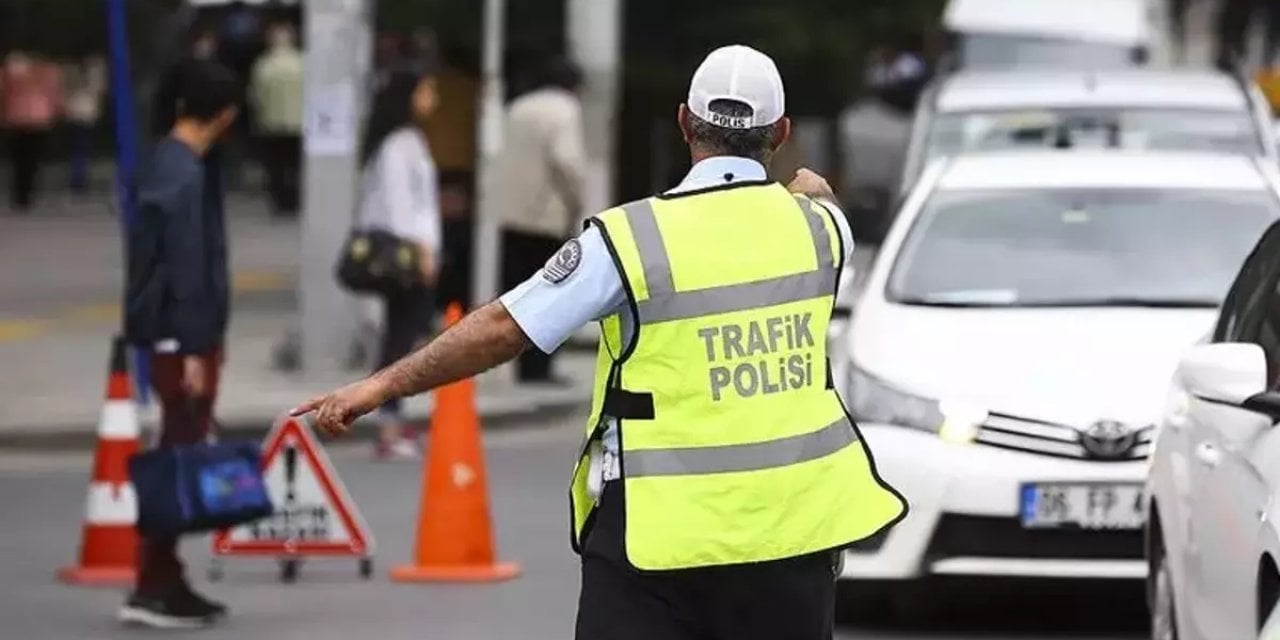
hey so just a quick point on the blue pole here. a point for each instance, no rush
(126, 129)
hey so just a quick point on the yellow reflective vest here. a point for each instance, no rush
(734, 448)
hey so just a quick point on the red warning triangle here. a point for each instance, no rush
(314, 514)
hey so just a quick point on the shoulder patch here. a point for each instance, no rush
(563, 263)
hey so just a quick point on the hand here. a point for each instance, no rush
(335, 411)
(193, 376)
(811, 184)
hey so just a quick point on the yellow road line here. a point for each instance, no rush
(25, 328)
(13, 330)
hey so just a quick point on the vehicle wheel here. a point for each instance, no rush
(366, 568)
(1164, 620)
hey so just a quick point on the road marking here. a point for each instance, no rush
(259, 281)
(12, 330)
(16, 330)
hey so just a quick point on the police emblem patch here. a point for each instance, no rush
(563, 263)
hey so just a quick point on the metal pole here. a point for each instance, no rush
(595, 41)
(126, 130)
(336, 29)
(489, 138)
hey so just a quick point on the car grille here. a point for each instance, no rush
(1045, 438)
(992, 537)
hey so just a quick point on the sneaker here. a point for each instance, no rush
(211, 608)
(401, 449)
(179, 610)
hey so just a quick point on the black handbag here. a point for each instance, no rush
(377, 261)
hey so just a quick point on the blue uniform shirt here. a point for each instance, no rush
(550, 312)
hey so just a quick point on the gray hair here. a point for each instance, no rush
(755, 143)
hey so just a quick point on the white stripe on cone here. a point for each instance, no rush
(118, 420)
(111, 503)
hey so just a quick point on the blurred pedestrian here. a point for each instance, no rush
(401, 196)
(30, 103)
(1233, 25)
(276, 93)
(202, 46)
(453, 143)
(86, 85)
(240, 37)
(539, 188)
(1178, 26)
(713, 493)
(177, 305)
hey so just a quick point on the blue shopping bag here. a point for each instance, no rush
(198, 487)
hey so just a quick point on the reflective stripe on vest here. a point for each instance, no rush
(742, 453)
(665, 303)
(741, 457)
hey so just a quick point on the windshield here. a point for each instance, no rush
(1000, 50)
(1159, 129)
(1078, 247)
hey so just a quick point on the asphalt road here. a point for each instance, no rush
(41, 498)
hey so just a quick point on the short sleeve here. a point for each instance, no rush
(842, 225)
(580, 284)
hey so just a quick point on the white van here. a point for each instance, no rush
(1075, 33)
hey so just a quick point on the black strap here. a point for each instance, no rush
(627, 405)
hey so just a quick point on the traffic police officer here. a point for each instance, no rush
(719, 475)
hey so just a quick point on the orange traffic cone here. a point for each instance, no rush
(455, 536)
(108, 544)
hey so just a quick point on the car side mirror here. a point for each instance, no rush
(1225, 372)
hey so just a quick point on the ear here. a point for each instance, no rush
(781, 133)
(682, 119)
(227, 117)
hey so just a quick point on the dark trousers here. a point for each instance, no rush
(792, 599)
(81, 143)
(282, 162)
(183, 420)
(26, 150)
(523, 254)
(407, 320)
(454, 284)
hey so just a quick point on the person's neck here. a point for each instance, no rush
(697, 156)
(193, 135)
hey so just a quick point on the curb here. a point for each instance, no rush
(80, 437)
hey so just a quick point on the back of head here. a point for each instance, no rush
(560, 73)
(282, 35)
(206, 90)
(736, 104)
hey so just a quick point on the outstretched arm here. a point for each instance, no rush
(481, 341)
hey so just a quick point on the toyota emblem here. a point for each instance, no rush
(1108, 439)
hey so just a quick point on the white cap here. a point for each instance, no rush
(741, 74)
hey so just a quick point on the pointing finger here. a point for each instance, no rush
(307, 407)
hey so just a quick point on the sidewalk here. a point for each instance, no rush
(60, 273)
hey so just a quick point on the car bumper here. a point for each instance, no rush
(964, 520)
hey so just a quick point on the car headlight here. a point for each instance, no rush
(875, 401)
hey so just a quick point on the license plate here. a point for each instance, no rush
(1082, 506)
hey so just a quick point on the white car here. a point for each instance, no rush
(1141, 109)
(1010, 351)
(1084, 33)
(1213, 542)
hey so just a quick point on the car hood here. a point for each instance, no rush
(1064, 365)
